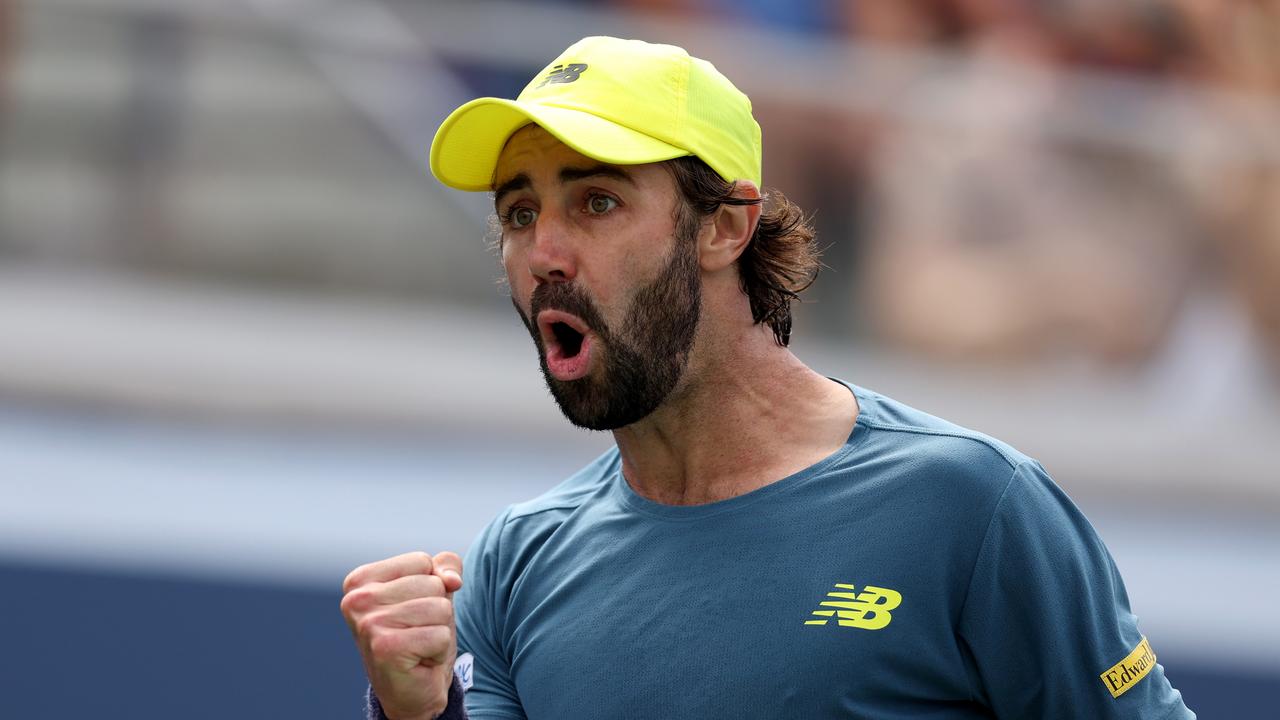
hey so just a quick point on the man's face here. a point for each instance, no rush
(607, 284)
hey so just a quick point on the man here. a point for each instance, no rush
(763, 541)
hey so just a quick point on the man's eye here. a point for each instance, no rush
(521, 216)
(601, 204)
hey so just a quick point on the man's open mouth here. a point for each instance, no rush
(566, 342)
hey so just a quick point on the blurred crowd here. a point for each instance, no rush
(977, 231)
(1007, 242)
(6, 42)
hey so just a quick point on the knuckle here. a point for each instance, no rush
(352, 580)
(384, 645)
(434, 611)
(436, 637)
(423, 586)
(433, 586)
(357, 600)
(365, 597)
(443, 608)
(408, 587)
(421, 561)
(367, 626)
(446, 633)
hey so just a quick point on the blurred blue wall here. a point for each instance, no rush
(125, 645)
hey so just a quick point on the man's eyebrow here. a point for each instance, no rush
(570, 174)
(519, 182)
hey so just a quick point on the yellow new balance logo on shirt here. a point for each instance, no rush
(868, 609)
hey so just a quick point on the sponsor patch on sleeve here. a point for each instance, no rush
(1126, 673)
(462, 669)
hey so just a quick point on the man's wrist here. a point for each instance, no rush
(454, 710)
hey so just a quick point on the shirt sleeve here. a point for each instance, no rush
(479, 612)
(1047, 620)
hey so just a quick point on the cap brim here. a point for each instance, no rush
(466, 148)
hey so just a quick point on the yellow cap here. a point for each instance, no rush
(623, 102)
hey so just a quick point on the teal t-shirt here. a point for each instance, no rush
(921, 571)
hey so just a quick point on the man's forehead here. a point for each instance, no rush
(532, 147)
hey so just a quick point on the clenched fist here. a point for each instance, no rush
(401, 613)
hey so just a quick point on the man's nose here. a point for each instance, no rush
(551, 258)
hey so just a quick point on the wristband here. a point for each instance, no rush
(455, 710)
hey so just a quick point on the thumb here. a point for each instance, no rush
(448, 567)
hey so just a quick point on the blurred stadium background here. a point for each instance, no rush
(247, 342)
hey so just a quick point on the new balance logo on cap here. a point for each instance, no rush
(563, 74)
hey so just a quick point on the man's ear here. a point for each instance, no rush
(724, 238)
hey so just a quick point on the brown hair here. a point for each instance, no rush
(781, 259)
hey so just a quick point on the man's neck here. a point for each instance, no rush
(753, 417)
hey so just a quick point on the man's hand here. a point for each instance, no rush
(401, 613)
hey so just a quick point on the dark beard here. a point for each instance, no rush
(645, 359)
